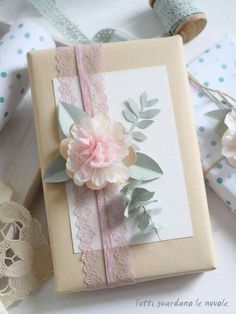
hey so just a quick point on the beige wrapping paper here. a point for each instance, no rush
(153, 260)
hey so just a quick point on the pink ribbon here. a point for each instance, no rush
(84, 81)
(103, 214)
(103, 211)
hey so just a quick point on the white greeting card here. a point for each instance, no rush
(161, 144)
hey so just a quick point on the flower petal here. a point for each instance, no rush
(97, 150)
(230, 120)
(77, 182)
(116, 173)
(64, 147)
(94, 187)
(131, 158)
(82, 129)
(70, 174)
(232, 161)
(229, 144)
(229, 139)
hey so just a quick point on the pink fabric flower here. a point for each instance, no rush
(97, 152)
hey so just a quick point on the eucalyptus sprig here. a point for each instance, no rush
(140, 116)
(137, 200)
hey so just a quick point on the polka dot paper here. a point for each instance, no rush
(23, 36)
(215, 68)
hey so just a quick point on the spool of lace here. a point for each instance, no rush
(181, 17)
(25, 255)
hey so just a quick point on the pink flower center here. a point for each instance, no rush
(103, 152)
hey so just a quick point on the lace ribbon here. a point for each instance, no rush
(25, 256)
(109, 210)
(173, 12)
(92, 82)
(65, 26)
(70, 31)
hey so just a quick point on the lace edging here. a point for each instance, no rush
(25, 256)
(93, 83)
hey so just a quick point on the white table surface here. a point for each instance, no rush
(136, 17)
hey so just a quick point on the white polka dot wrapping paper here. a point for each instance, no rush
(215, 68)
(23, 36)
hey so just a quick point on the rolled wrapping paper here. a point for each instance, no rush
(23, 36)
(180, 17)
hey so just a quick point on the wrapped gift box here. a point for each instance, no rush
(177, 253)
(215, 68)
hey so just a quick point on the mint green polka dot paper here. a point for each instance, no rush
(215, 68)
(222, 179)
(23, 36)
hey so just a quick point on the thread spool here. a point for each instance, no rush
(180, 17)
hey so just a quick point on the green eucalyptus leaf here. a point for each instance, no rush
(151, 102)
(77, 114)
(216, 120)
(131, 104)
(143, 221)
(126, 196)
(131, 208)
(126, 193)
(153, 211)
(68, 115)
(145, 168)
(129, 116)
(151, 113)
(56, 171)
(142, 195)
(126, 211)
(144, 124)
(149, 202)
(143, 99)
(132, 185)
(152, 226)
(139, 136)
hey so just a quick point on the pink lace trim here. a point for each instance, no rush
(115, 256)
(117, 263)
(81, 196)
(124, 273)
(64, 56)
(106, 232)
(87, 214)
(92, 80)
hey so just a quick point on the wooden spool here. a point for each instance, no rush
(190, 27)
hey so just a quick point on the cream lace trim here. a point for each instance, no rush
(25, 256)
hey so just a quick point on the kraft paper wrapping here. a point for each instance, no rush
(153, 260)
